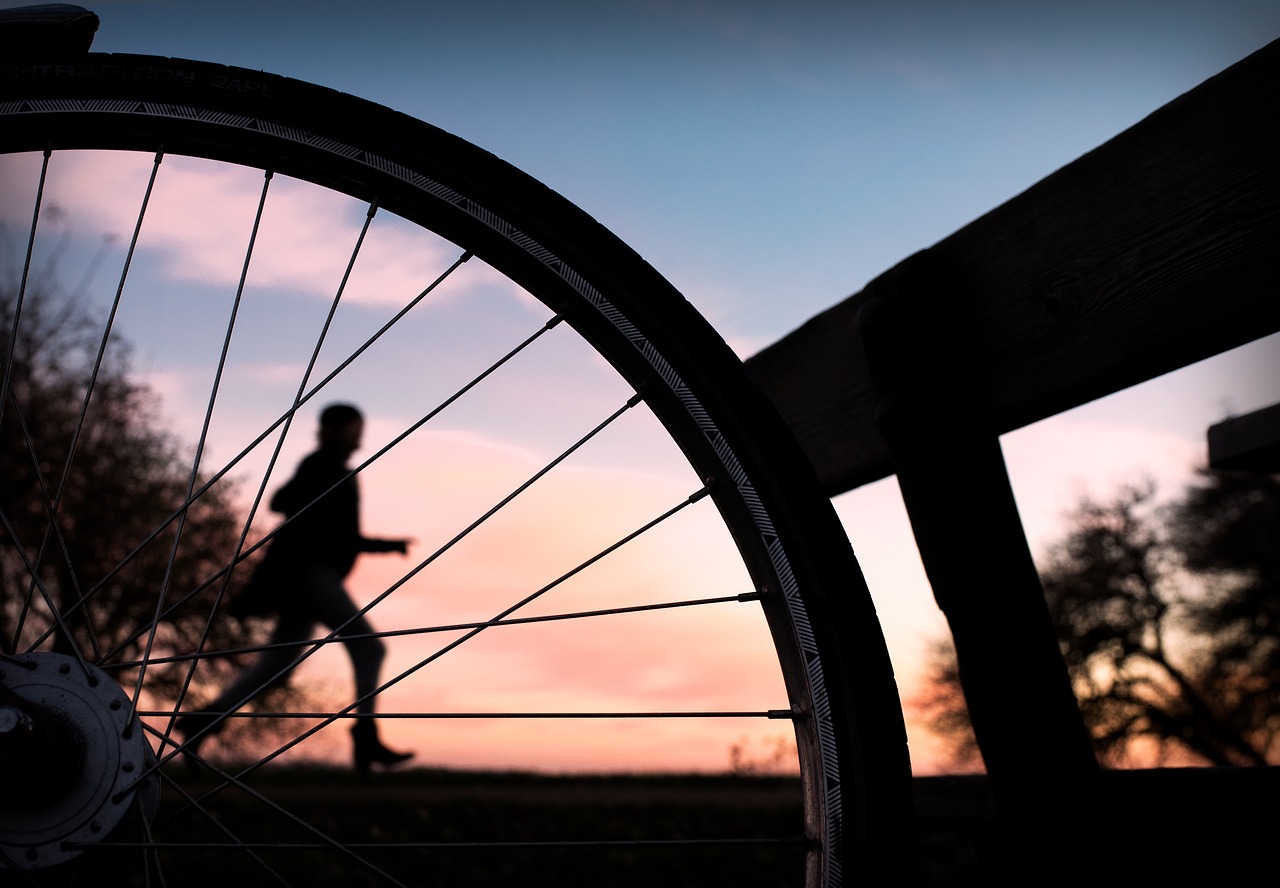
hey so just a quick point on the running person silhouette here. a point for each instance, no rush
(306, 563)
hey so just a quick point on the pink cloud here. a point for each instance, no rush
(200, 216)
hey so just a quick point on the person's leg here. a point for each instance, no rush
(291, 629)
(334, 607)
(267, 671)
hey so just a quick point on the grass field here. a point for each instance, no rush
(475, 829)
(739, 831)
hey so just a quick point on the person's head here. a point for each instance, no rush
(341, 426)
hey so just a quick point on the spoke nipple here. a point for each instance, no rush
(64, 668)
(128, 767)
(95, 826)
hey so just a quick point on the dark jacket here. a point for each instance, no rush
(324, 505)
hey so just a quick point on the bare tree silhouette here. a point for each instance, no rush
(1169, 621)
(85, 486)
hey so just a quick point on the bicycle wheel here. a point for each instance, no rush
(667, 386)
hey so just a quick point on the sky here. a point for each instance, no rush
(769, 160)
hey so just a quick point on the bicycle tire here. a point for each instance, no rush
(849, 728)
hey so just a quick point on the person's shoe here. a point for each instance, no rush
(369, 750)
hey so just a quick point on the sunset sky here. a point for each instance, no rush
(769, 159)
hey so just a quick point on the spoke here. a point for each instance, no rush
(22, 288)
(446, 627)
(221, 827)
(11, 355)
(11, 865)
(124, 275)
(59, 624)
(349, 715)
(149, 849)
(193, 478)
(72, 448)
(326, 840)
(248, 522)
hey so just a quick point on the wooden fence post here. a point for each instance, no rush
(947, 457)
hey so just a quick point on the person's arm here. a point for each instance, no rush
(374, 544)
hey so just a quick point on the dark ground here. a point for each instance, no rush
(1206, 826)
(1211, 826)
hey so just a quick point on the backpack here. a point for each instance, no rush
(272, 587)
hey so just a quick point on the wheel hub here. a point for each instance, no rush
(71, 756)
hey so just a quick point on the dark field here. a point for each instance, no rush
(739, 831)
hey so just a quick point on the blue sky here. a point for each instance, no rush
(770, 159)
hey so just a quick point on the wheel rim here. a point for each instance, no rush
(562, 274)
